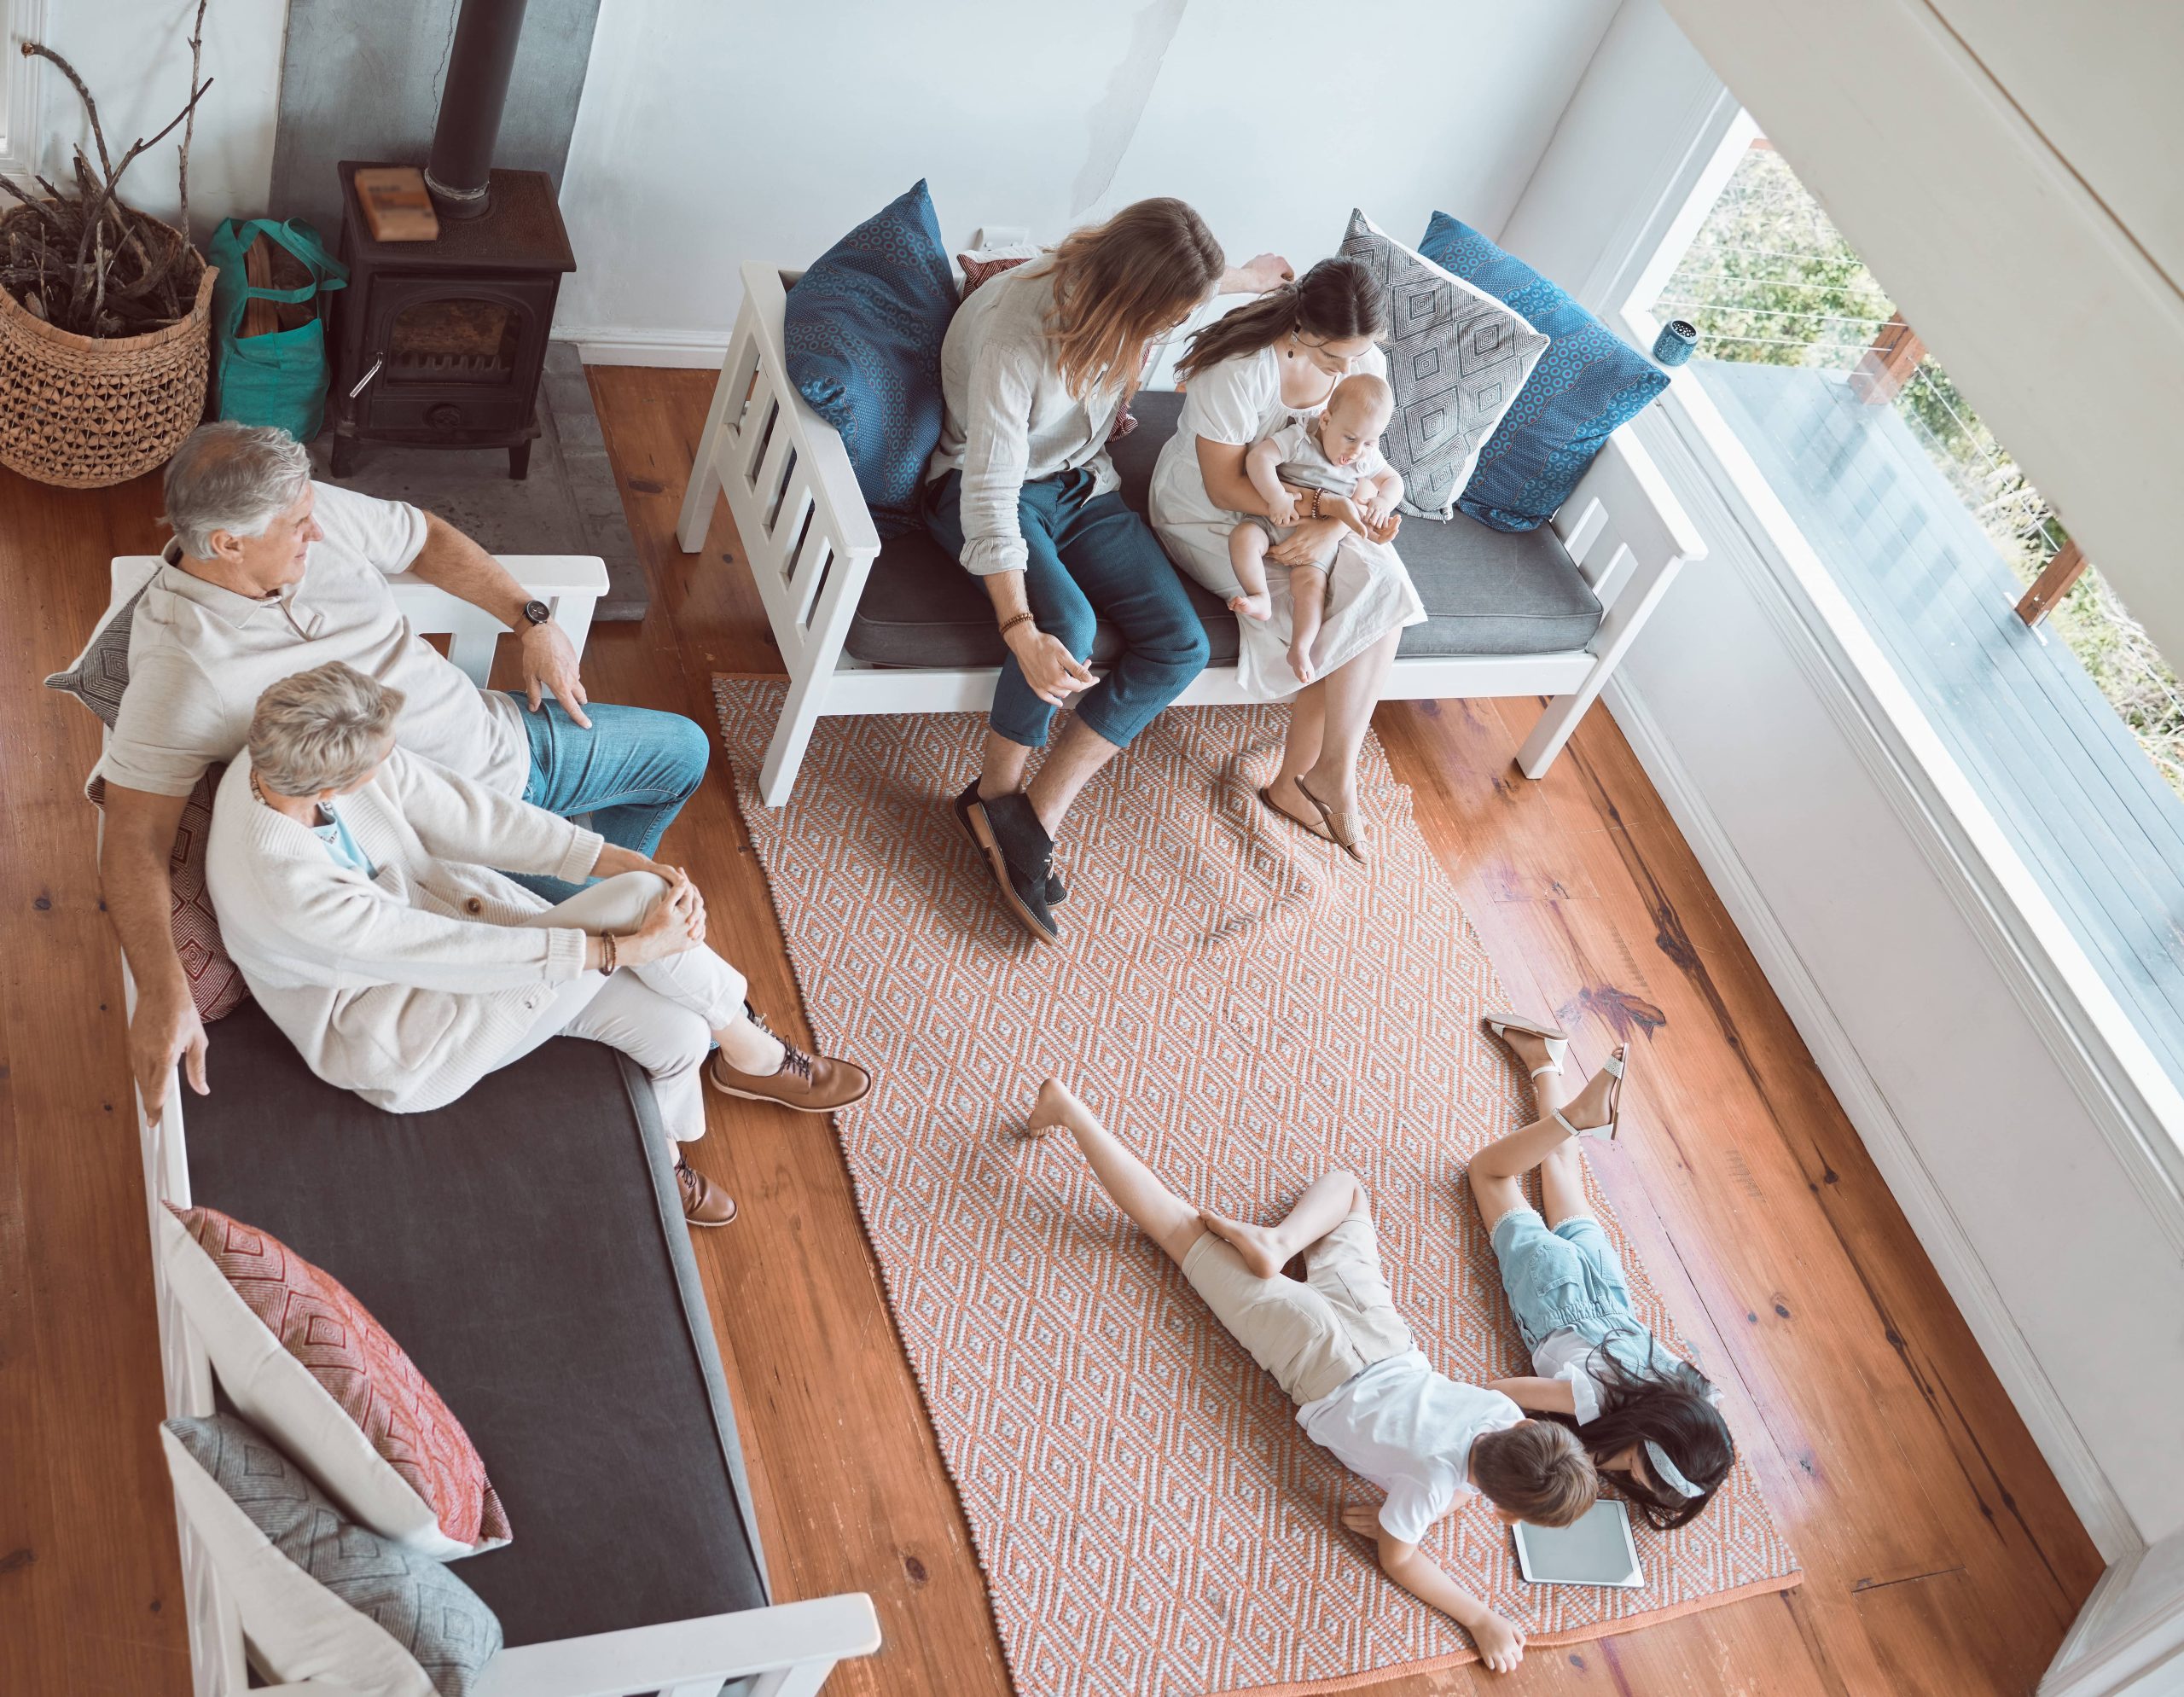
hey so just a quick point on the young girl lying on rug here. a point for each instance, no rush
(1335, 453)
(1363, 1390)
(1647, 1415)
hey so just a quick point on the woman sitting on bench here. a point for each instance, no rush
(353, 885)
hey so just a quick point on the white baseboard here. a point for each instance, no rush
(2090, 1491)
(620, 344)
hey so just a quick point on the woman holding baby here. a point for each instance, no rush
(1260, 380)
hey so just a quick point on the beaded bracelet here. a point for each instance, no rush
(1011, 623)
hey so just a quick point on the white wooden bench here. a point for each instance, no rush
(786, 1650)
(809, 544)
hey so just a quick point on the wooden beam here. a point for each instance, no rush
(2057, 578)
(1888, 363)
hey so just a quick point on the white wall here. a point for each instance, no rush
(712, 133)
(2066, 1275)
(134, 57)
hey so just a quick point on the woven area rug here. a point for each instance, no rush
(1246, 1008)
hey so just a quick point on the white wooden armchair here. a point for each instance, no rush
(809, 544)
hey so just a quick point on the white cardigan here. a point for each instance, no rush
(409, 986)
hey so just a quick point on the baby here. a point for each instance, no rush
(1335, 461)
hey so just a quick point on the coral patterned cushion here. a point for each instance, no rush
(215, 983)
(305, 1361)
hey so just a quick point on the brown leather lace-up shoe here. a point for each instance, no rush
(810, 1083)
(704, 1202)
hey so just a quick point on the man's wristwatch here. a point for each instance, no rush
(537, 612)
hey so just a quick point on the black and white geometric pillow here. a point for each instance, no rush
(1456, 359)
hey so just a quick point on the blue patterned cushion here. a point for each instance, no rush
(444, 1625)
(1589, 382)
(864, 330)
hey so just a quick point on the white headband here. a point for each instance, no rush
(1667, 1472)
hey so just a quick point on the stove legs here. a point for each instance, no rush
(519, 461)
(343, 456)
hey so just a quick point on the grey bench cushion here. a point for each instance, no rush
(1485, 591)
(525, 1248)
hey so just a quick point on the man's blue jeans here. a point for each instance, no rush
(631, 772)
(1090, 558)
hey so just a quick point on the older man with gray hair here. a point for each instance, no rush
(270, 573)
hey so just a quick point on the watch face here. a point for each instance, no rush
(538, 611)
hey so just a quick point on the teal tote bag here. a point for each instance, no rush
(278, 378)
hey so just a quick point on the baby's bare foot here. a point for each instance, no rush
(1055, 1105)
(1258, 1246)
(1259, 606)
(1300, 660)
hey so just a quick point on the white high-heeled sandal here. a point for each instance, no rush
(1501, 1022)
(1615, 1067)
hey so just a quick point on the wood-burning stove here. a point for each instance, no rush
(441, 343)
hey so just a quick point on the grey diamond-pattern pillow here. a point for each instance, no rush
(1456, 359)
(101, 673)
(441, 1622)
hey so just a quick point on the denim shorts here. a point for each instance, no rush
(1566, 1279)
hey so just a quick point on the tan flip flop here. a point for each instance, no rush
(1311, 827)
(1344, 839)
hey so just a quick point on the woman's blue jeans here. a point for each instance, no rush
(1090, 558)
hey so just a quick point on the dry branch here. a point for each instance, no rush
(98, 267)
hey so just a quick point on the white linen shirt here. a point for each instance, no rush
(200, 655)
(1409, 1430)
(1008, 417)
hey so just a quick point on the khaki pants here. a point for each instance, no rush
(1313, 1337)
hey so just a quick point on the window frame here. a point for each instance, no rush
(2126, 1090)
(21, 87)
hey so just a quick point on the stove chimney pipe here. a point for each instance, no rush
(459, 173)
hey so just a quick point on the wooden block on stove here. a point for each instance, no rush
(397, 207)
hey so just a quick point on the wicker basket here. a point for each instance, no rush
(83, 412)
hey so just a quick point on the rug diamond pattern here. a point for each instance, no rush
(1247, 1009)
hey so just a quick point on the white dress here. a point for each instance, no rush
(1369, 594)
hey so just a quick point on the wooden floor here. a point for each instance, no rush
(1940, 1556)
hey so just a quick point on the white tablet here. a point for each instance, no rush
(1597, 1551)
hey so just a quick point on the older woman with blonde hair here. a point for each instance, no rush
(1037, 366)
(354, 885)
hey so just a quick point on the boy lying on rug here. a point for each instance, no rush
(1363, 1390)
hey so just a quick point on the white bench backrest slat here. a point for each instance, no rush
(801, 521)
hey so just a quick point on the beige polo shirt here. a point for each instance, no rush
(199, 656)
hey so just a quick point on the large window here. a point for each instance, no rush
(2049, 696)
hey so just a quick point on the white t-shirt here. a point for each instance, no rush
(199, 656)
(1570, 1355)
(1409, 1430)
(1240, 402)
(1563, 1355)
